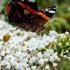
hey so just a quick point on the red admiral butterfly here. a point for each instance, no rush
(15, 10)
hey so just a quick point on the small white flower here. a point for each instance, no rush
(7, 51)
(41, 62)
(55, 55)
(67, 33)
(67, 43)
(17, 39)
(64, 56)
(8, 66)
(28, 68)
(60, 44)
(46, 60)
(18, 32)
(47, 67)
(58, 59)
(0, 58)
(41, 46)
(1, 42)
(68, 58)
(67, 51)
(18, 54)
(47, 54)
(53, 34)
(25, 60)
(22, 58)
(30, 61)
(24, 48)
(51, 59)
(3, 62)
(33, 67)
(51, 51)
(62, 36)
(1, 46)
(25, 37)
(12, 62)
(0, 66)
(40, 55)
(19, 66)
(34, 58)
(54, 64)
(2, 53)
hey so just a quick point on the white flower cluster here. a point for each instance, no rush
(25, 50)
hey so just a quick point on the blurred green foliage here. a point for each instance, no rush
(63, 11)
(66, 65)
(58, 24)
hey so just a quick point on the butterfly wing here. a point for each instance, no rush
(50, 11)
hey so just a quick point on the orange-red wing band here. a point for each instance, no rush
(7, 9)
(33, 11)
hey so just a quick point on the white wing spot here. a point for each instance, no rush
(51, 11)
(31, 0)
(46, 9)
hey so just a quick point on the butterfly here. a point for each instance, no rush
(15, 10)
